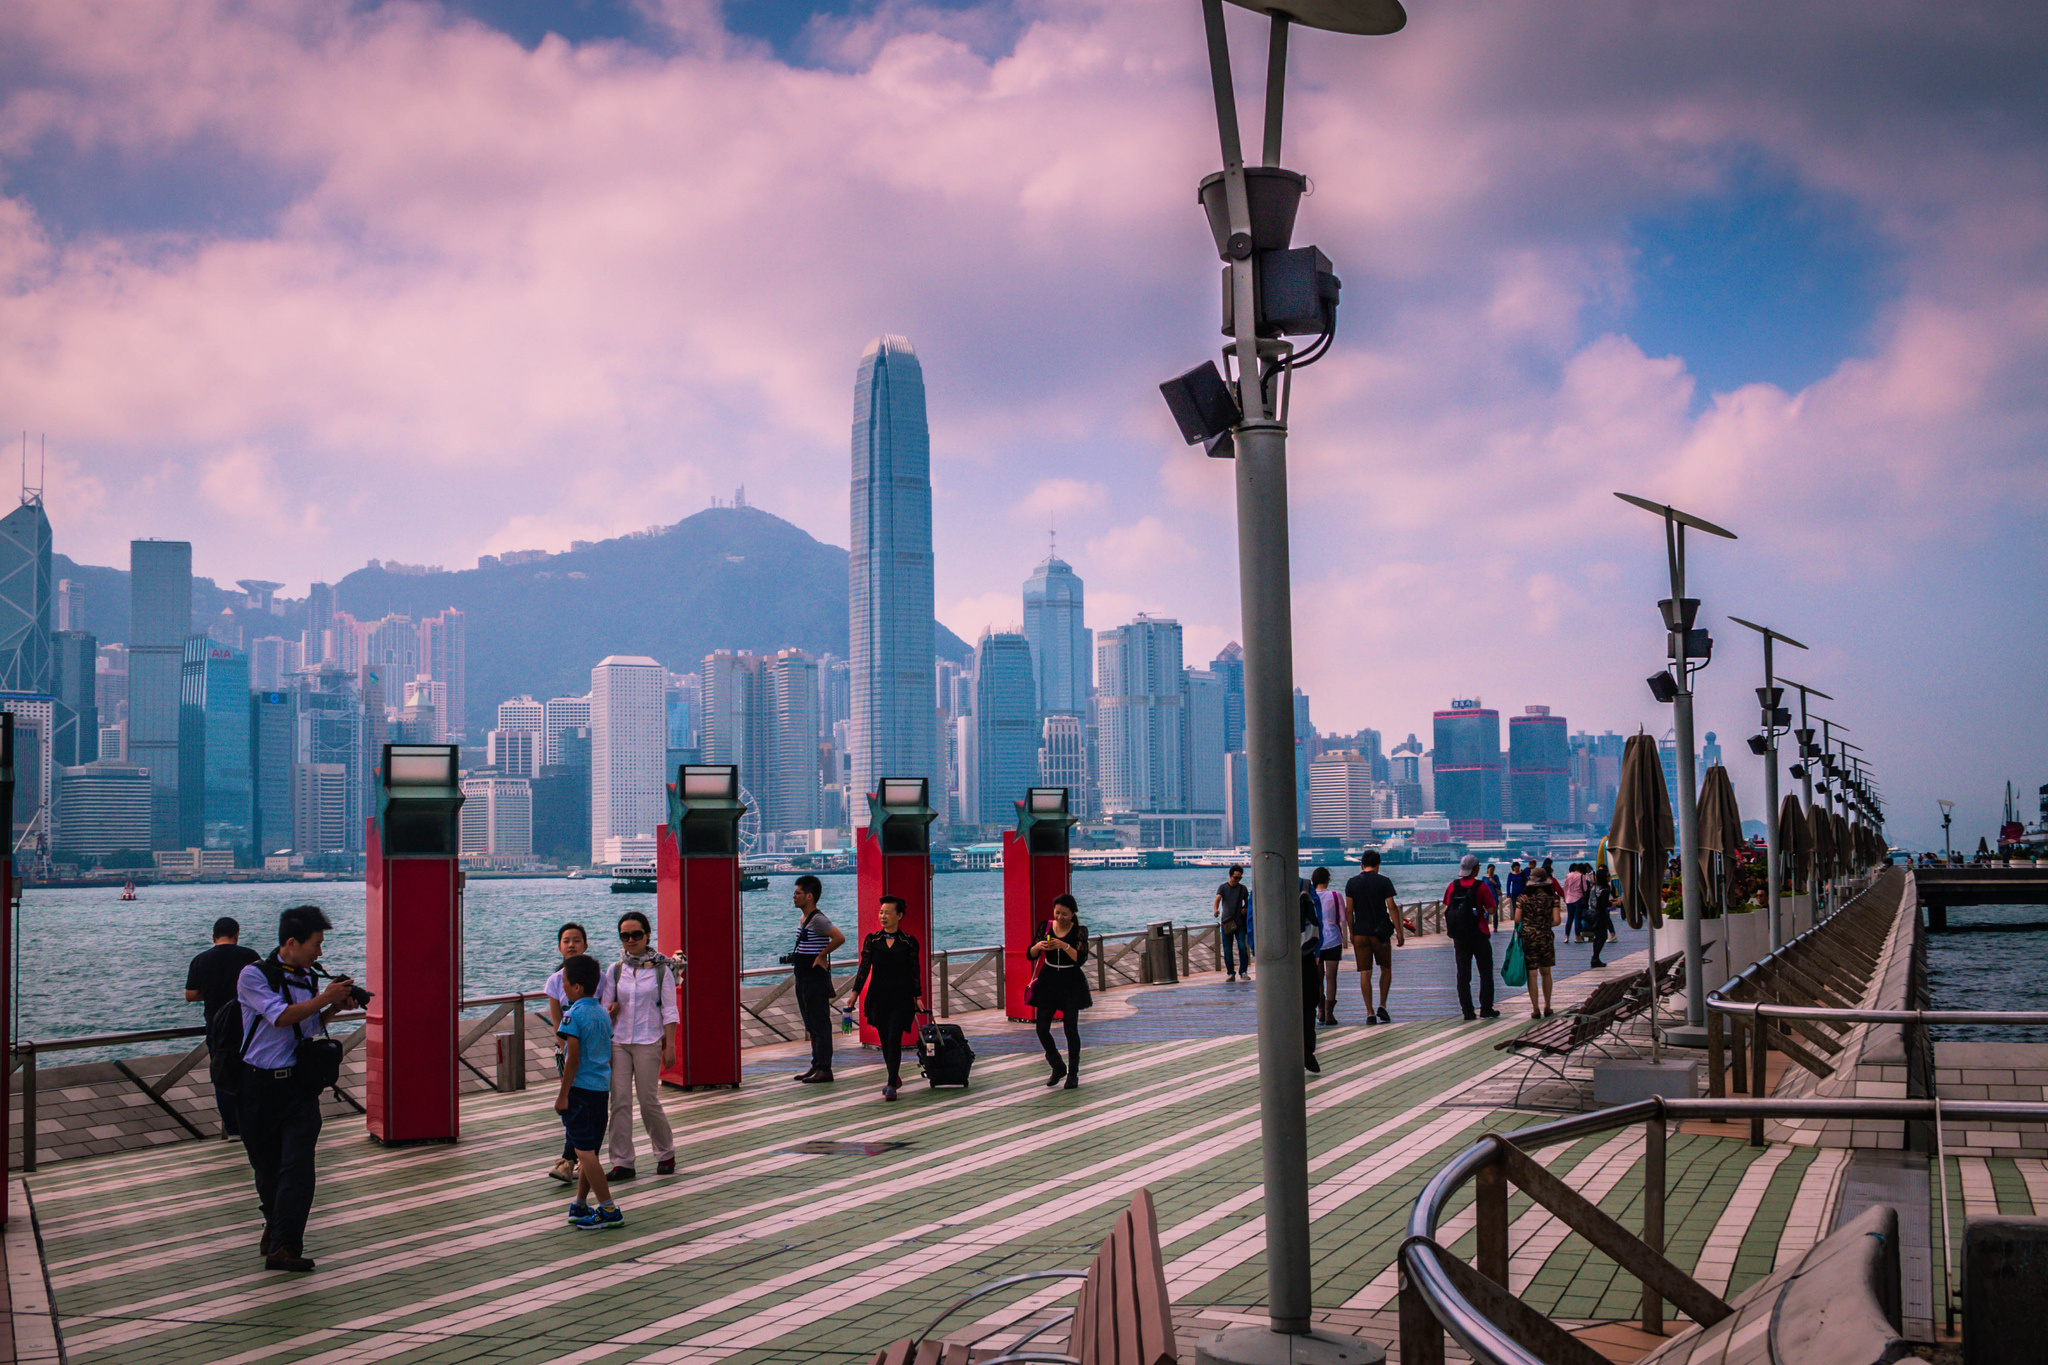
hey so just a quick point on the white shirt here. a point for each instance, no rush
(644, 1008)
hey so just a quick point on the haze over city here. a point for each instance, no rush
(428, 283)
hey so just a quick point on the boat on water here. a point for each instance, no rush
(128, 892)
(633, 878)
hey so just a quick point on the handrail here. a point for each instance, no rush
(1431, 1301)
(1823, 1014)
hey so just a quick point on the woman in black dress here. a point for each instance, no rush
(1061, 987)
(888, 968)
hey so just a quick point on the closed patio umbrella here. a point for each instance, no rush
(1641, 832)
(1795, 843)
(1720, 828)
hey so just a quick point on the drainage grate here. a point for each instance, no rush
(825, 1147)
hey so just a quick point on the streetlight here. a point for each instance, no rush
(1675, 686)
(1948, 814)
(1803, 769)
(1776, 721)
(1274, 293)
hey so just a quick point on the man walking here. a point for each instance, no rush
(1517, 879)
(811, 964)
(1468, 905)
(280, 1113)
(1230, 915)
(211, 979)
(1375, 929)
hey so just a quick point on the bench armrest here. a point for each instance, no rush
(991, 1288)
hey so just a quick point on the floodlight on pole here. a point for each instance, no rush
(1679, 613)
(1765, 746)
(1273, 291)
(1948, 815)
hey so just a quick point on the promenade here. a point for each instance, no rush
(815, 1225)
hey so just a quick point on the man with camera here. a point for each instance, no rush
(810, 964)
(287, 1060)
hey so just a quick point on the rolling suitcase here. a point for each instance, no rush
(943, 1054)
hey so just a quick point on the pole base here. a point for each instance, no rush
(1263, 1346)
(1686, 1035)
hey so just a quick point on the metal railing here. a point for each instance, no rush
(1440, 1294)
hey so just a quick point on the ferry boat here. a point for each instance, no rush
(633, 878)
(128, 892)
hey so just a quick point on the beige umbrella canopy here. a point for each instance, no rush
(1720, 822)
(1845, 848)
(1642, 826)
(1795, 842)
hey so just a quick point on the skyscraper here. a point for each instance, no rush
(1229, 666)
(159, 619)
(789, 793)
(272, 736)
(1203, 727)
(732, 716)
(1059, 641)
(558, 715)
(628, 748)
(334, 736)
(1539, 755)
(1468, 769)
(216, 790)
(895, 724)
(1342, 802)
(443, 657)
(74, 657)
(1006, 731)
(1063, 757)
(318, 645)
(1138, 701)
(25, 589)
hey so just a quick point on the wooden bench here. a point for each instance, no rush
(1550, 1043)
(1121, 1316)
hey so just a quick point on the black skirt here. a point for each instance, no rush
(1062, 988)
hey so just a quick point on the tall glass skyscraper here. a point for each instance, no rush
(216, 789)
(159, 619)
(895, 718)
(1006, 731)
(1467, 766)
(1138, 698)
(1061, 649)
(25, 663)
(1539, 760)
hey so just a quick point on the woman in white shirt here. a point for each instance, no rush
(639, 990)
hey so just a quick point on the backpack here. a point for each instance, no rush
(227, 1039)
(1311, 923)
(1461, 912)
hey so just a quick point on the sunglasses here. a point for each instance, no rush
(629, 935)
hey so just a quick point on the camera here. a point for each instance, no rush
(794, 959)
(358, 998)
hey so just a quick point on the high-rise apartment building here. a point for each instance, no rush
(71, 605)
(273, 736)
(216, 789)
(835, 691)
(1595, 775)
(1467, 765)
(74, 657)
(889, 566)
(272, 662)
(323, 798)
(559, 714)
(1229, 666)
(1006, 730)
(514, 753)
(1060, 642)
(443, 657)
(733, 717)
(1204, 730)
(25, 592)
(390, 645)
(336, 730)
(1063, 757)
(318, 643)
(1138, 704)
(789, 791)
(159, 619)
(1539, 757)
(1343, 800)
(628, 749)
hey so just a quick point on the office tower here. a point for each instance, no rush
(558, 715)
(1369, 743)
(159, 619)
(35, 775)
(216, 789)
(514, 753)
(1237, 795)
(1307, 744)
(336, 728)
(442, 657)
(392, 646)
(114, 742)
(1595, 773)
(561, 801)
(379, 693)
(74, 656)
(1059, 640)
(318, 641)
(102, 810)
(789, 791)
(497, 818)
(684, 696)
(1539, 756)
(272, 662)
(426, 712)
(523, 713)
(966, 788)
(1667, 755)
(732, 721)
(628, 746)
(71, 605)
(226, 629)
(1138, 702)
(889, 568)
(1229, 666)
(323, 798)
(1006, 733)
(25, 592)
(1342, 801)
(835, 691)
(1467, 766)
(273, 735)
(1203, 731)
(1063, 757)
(1404, 771)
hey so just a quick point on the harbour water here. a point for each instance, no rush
(2005, 970)
(90, 963)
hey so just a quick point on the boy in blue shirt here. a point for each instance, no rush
(585, 1098)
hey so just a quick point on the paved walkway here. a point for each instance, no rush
(756, 1252)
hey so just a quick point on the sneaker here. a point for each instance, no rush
(602, 1219)
(1384, 1018)
(578, 1211)
(889, 1091)
(562, 1171)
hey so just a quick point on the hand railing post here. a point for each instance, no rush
(1101, 968)
(1653, 1216)
(28, 1110)
(1422, 1336)
(1759, 1083)
(1716, 1089)
(1490, 1196)
(1186, 969)
(945, 985)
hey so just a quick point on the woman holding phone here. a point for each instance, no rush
(1059, 986)
(888, 969)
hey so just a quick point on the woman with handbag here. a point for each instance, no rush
(892, 1002)
(1059, 986)
(1600, 914)
(1537, 913)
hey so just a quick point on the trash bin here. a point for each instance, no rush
(1161, 967)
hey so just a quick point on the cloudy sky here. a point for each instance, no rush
(307, 283)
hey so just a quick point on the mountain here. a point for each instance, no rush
(726, 578)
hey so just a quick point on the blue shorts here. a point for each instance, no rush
(583, 1120)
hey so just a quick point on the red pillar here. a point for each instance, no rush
(697, 870)
(893, 857)
(1035, 869)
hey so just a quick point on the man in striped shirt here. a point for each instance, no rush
(810, 963)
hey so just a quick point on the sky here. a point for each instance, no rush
(310, 283)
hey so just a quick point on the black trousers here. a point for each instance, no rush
(892, 1019)
(1603, 929)
(1473, 948)
(814, 1003)
(280, 1126)
(1071, 1017)
(1311, 1001)
(230, 1120)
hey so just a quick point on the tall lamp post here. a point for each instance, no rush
(1274, 292)
(1948, 815)
(1776, 721)
(1689, 650)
